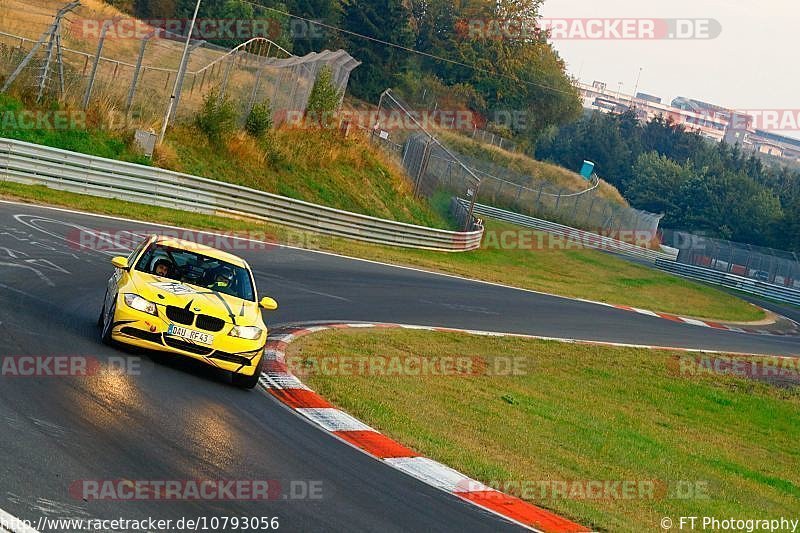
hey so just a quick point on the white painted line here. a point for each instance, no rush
(436, 474)
(645, 312)
(12, 524)
(281, 337)
(694, 322)
(333, 419)
(273, 355)
(282, 380)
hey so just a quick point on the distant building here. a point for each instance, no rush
(711, 121)
(648, 98)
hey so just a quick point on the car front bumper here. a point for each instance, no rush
(136, 328)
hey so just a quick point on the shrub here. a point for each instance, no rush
(324, 98)
(259, 121)
(217, 117)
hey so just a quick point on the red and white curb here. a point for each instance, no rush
(794, 330)
(287, 388)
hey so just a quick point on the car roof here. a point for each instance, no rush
(208, 251)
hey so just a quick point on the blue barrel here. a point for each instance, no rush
(587, 169)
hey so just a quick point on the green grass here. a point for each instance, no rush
(77, 139)
(526, 166)
(576, 414)
(577, 273)
(319, 166)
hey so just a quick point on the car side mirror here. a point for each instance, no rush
(268, 303)
(120, 262)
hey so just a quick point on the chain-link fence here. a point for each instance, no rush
(520, 193)
(762, 264)
(492, 139)
(71, 53)
(433, 166)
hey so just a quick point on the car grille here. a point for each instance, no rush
(180, 315)
(141, 334)
(210, 323)
(187, 346)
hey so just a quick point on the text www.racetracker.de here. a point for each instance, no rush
(199, 523)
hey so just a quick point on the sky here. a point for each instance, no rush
(752, 64)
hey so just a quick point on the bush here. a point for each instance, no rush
(259, 121)
(217, 117)
(324, 98)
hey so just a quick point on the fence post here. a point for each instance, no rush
(589, 212)
(539, 196)
(135, 80)
(50, 32)
(423, 165)
(181, 75)
(90, 85)
(227, 75)
(575, 207)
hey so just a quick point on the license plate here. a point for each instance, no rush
(190, 334)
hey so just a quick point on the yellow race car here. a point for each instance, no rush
(186, 298)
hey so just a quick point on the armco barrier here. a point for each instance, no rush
(731, 281)
(27, 163)
(586, 238)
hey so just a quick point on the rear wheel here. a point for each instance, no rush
(248, 382)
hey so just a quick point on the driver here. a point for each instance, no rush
(163, 267)
(223, 279)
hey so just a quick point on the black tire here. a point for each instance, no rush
(108, 322)
(102, 311)
(248, 382)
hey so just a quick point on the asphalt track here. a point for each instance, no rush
(175, 420)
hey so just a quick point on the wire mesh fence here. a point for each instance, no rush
(435, 166)
(84, 58)
(763, 264)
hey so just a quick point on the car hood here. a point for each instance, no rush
(199, 300)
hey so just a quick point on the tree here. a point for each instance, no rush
(382, 65)
(324, 98)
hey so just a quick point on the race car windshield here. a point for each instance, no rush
(190, 267)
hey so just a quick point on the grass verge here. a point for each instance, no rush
(706, 445)
(320, 166)
(576, 273)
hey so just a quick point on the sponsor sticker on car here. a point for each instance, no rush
(174, 287)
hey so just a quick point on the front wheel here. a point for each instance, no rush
(248, 382)
(108, 323)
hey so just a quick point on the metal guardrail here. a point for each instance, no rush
(731, 281)
(584, 238)
(34, 164)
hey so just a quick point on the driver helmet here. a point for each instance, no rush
(162, 267)
(223, 277)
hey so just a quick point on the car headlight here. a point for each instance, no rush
(135, 301)
(250, 333)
